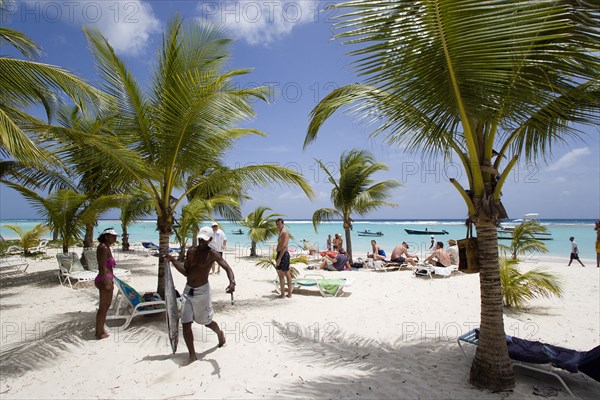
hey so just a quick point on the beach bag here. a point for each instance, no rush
(421, 272)
(357, 265)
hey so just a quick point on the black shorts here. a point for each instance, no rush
(574, 256)
(398, 260)
(284, 265)
(439, 264)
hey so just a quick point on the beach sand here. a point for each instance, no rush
(391, 335)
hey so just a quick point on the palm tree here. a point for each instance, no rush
(29, 238)
(133, 207)
(261, 227)
(66, 211)
(355, 192)
(465, 77)
(181, 127)
(524, 241)
(200, 209)
(519, 287)
(25, 83)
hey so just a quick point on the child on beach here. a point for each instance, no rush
(574, 252)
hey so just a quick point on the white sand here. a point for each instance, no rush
(391, 336)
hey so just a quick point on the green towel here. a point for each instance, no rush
(330, 286)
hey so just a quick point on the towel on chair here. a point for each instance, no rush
(329, 286)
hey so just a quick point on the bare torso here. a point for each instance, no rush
(198, 265)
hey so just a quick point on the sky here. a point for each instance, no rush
(290, 46)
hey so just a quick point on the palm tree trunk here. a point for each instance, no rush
(253, 249)
(348, 242)
(491, 368)
(125, 241)
(165, 227)
(88, 240)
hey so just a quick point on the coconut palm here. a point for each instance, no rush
(261, 227)
(200, 209)
(518, 288)
(465, 78)
(31, 237)
(271, 262)
(133, 207)
(26, 83)
(66, 211)
(355, 191)
(523, 240)
(180, 127)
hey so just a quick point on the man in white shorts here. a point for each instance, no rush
(197, 304)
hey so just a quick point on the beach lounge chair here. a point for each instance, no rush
(328, 287)
(153, 248)
(70, 269)
(128, 303)
(534, 356)
(92, 264)
(10, 266)
(431, 271)
(40, 248)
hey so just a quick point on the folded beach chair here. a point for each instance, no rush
(128, 304)
(533, 356)
(70, 269)
(10, 266)
(328, 287)
(384, 266)
(92, 264)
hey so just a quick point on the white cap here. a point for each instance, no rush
(214, 224)
(432, 236)
(204, 237)
(110, 231)
(207, 231)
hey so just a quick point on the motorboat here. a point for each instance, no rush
(425, 232)
(505, 232)
(369, 233)
(237, 232)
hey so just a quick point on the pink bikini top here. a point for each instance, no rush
(110, 263)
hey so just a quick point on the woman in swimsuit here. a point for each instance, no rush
(104, 280)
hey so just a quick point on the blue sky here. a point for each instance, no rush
(289, 45)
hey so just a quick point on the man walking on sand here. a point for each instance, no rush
(282, 264)
(197, 305)
(574, 252)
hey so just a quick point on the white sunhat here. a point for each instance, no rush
(207, 230)
(205, 237)
(110, 231)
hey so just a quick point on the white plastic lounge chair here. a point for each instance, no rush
(431, 271)
(70, 269)
(542, 357)
(41, 247)
(328, 287)
(92, 264)
(10, 266)
(128, 304)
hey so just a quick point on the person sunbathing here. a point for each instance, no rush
(338, 263)
(439, 257)
(378, 252)
(400, 255)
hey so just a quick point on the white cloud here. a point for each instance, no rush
(569, 159)
(560, 179)
(126, 24)
(260, 22)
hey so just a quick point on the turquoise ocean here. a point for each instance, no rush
(393, 233)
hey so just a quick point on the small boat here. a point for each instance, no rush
(425, 232)
(237, 232)
(505, 232)
(369, 233)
